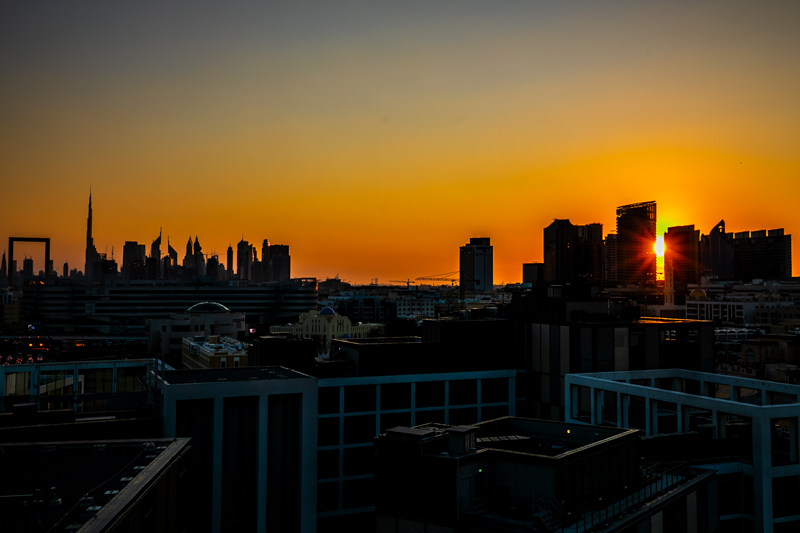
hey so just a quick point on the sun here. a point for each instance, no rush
(659, 246)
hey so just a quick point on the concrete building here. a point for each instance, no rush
(760, 416)
(213, 351)
(324, 326)
(476, 265)
(254, 434)
(201, 319)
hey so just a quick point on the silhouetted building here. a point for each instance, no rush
(279, 261)
(229, 265)
(73, 306)
(244, 260)
(681, 261)
(762, 255)
(532, 272)
(476, 265)
(716, 253)
(90, 268)
(202, 319)
(610, 257)
(27, 268)
(573, 253)
(636, 238)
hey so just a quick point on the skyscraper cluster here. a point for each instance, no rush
(275, 263)
(628, 257)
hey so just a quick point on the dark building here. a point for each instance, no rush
(532, 273)
(476, 265)
(277, 260)
(550, 351)
(636, 238)
(682, 260)
(92, 258)
(573, 253)
(716, 253)
(125, 306)
(367, 308)
(95, 486)
(762, 255)
(514, 474)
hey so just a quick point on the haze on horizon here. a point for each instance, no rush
(375, 138)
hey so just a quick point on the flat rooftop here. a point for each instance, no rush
(44, 484)
(212, 375)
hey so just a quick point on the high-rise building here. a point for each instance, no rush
(716, 253)
(476, 265)
(3, 272)
(610, 257)
(199, 258)
(27, 268)
(280, 263)
(133, 255)
(682, 249)
(573, 253)
(229, 275)
(244, 260)
(92, 257)
(762, 255)
(636, 238)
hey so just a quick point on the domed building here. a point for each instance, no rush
(324, 326)
(202, 319)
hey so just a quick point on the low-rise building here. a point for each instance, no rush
(201, 319)
(213, 352)
(326, 325)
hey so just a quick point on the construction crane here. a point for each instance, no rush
(408, 281)
(447, 277)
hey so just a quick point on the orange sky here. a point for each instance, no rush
(375, 139)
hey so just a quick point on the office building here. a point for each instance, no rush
(716, 253)
(244, 260)
(279, 262)
(253, 435)
(213, 351)
(573, 253)
(636, 239)
(762, 255)
(476, 265)
(133, 256)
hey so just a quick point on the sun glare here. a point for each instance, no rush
(659, 246)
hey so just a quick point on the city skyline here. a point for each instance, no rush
(363, 135)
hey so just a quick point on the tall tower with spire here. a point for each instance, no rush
(91, 251)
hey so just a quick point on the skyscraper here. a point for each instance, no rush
(716, 253)
(476, 265)
(636, 238)
(280, 263)
(91, 251)
(244, 259)
(573, 253)
(681, 262)
(229, 266)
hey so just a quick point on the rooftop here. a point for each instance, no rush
(211, 375)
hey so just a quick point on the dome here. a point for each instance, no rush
(208, 307)
(327, 311)
(345, 336)
(698, 294)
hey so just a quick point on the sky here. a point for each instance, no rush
(376, 138)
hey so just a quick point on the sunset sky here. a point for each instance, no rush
(375, 138)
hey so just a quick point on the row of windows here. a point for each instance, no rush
(393, 396)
